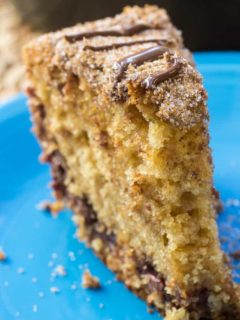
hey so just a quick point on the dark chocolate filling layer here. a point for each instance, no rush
(196, 302)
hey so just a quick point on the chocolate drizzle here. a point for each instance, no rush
(138, 59)
(137, 29)
(109, 33)
(153, 80)
(80, 36)
(125, 44)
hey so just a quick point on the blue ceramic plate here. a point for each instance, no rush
(36, 243)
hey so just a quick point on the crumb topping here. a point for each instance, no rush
(181, 99)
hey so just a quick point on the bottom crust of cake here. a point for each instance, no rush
(135, 270)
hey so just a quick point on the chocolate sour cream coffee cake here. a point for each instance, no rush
(121, 114)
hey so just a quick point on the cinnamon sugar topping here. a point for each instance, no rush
(90, 51)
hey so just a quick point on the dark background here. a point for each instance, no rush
(206, 24)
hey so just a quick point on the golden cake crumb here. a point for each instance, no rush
(89, 281)
(52, 207)
(2, 256)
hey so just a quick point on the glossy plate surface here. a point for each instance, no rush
(36, 243)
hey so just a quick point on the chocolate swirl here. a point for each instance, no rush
(109, 33)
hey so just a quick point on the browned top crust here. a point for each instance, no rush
(181, 98)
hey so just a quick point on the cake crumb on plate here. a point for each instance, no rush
(30, 256)
(54, 290)
(59, 271)
(35, 308)
(20, 270)
(89, 281)
(51, 207)
(3, 256)
(34, 280)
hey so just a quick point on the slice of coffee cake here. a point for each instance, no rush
(121, 114)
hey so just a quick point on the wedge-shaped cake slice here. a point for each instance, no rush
(121, 115)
